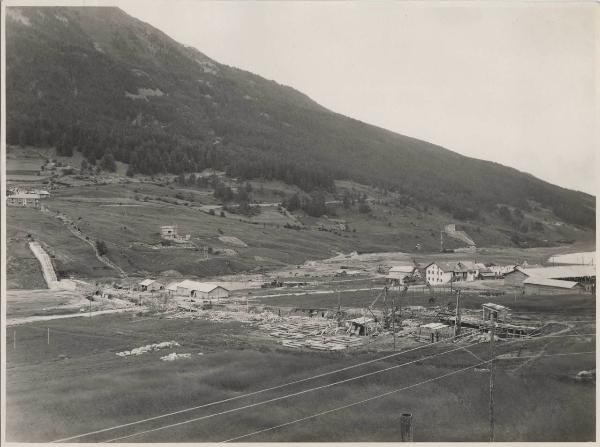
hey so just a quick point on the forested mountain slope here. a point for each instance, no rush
(99, 81)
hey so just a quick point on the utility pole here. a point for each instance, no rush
(406, 428)
(15, 339)
(48, 336)
(393, 318)
(492, 372)
(457, 319)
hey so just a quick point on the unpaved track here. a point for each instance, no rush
(77, 233)
(33, 319)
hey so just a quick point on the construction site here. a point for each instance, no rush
(326, 350)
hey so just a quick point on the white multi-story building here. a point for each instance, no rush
(439, 273)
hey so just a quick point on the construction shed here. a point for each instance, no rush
(203, 290)
(495, 311)
(24, 200)
(435, 331)
(361, 326)
(544, 286)
(151, 285)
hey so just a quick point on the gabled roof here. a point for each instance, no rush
(536, 281)
(469, 265)
(495, 306)
(147, 282)
(444, 266)
(172, 286)
(22, 195)
(198, 286)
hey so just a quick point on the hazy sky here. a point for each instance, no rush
(511, 83)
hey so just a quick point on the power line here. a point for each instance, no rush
(286, 396)
(303, 391)
(545, 355)
(378, 396)
(384, 395)
(295, 382)
(284, 385)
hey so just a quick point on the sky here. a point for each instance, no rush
(513, 83)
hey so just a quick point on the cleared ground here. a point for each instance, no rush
(78, 384)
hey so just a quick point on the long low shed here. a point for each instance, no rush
(201, 290)
(544, 286)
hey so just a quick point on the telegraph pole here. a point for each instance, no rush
(492, 373)
(406, 428)
(48, 336)
(457, 319)
(393, 318)
(15, 339)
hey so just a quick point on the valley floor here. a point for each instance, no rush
(64, 379)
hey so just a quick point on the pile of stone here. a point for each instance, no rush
(148, 348)
(174, 356)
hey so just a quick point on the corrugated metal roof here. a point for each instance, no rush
(536, 281)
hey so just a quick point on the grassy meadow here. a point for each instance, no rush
(78, 385)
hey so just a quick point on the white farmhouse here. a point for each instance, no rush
(439, 273)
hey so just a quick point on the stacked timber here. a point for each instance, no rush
(312, 333)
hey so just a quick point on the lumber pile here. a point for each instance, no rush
(313, 333)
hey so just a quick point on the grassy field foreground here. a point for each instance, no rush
(77, 384)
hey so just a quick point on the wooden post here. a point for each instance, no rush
(457, 319)
(393, 318)
(406, 428)
(492, 372)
